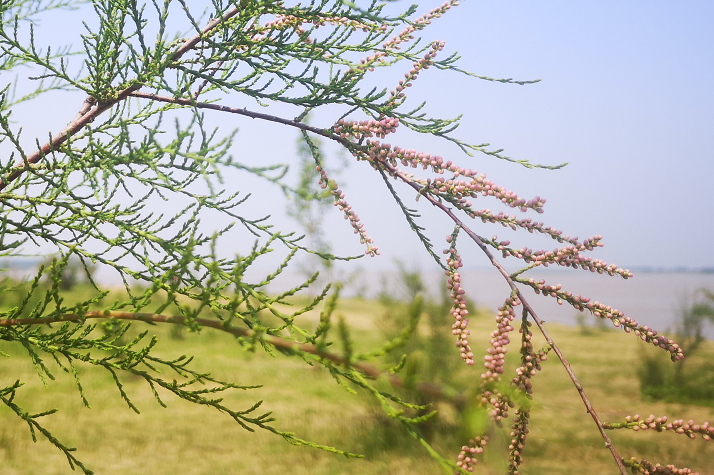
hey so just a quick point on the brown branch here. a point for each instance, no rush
(244, 112)
(89, 101)
(248, 26)
(193, 41)
(91, 108)
(433, 391)
(86, 115)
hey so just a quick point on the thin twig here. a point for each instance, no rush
(434, 391)
(198, 92)
(235, 110)
(88, 103)
(193, 41)
(85, 116)
(205, 81)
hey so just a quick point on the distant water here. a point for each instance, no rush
(651, 298)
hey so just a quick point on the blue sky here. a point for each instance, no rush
(626, 99)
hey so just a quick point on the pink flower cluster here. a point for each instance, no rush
(474, 184)
(425, 19)
(496, 356)
(568, 256)
(366, 128)
(347, 23)
(577, 301)
(688, 428)
(519, 431)
(486, 216)
(647, 468)
(367, 64)
(464, 189)
(283, 22)
(413, 73)
(500, 405)
(404, 36)
(350, 215)
(530, 363)
(418, 24)
(458, 311)
(467, 457)
(598, 309)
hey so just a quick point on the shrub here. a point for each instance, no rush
(661, 381)
(98, 191)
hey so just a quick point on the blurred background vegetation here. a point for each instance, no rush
(691, 381)
(616, 371)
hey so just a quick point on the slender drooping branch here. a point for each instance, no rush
(433, 391)
(406, 179)
(474, 237)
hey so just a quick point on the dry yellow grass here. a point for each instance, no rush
(111, 439)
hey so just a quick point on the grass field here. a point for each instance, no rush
(184, 439)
